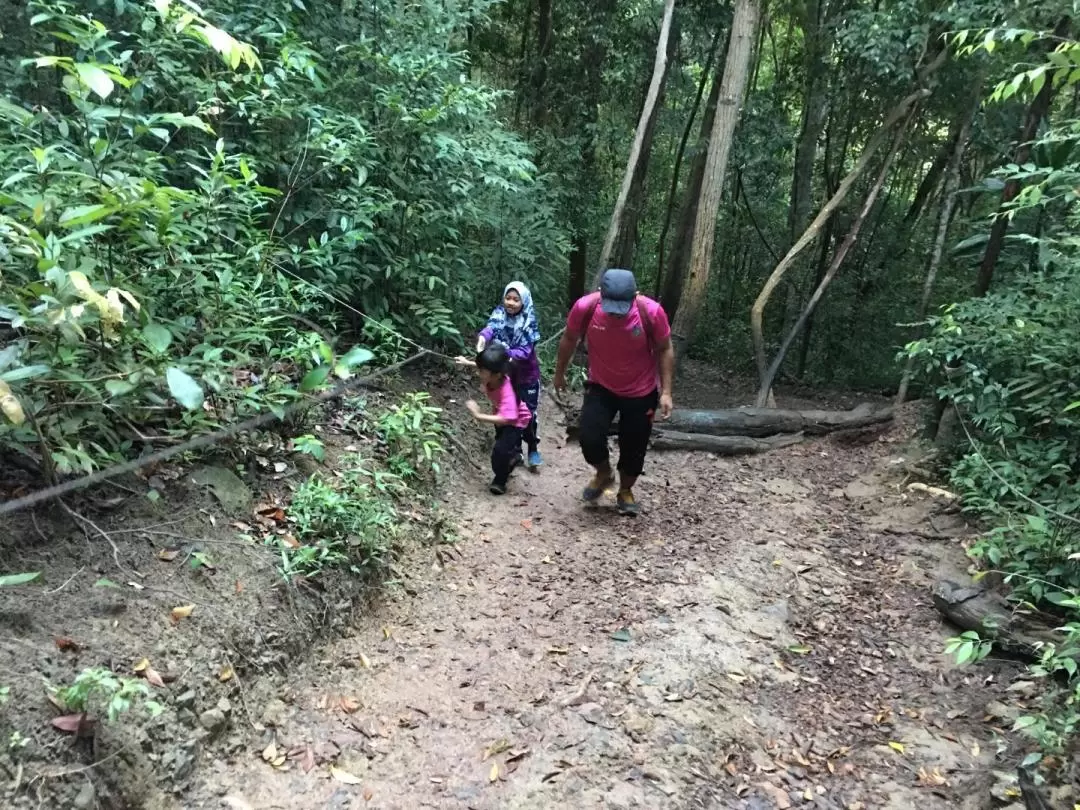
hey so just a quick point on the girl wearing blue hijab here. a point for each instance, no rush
(514, 325)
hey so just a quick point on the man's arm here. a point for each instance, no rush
(666, 353)
(567, 344)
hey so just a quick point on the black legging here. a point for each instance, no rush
(635, 426)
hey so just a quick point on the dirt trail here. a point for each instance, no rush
(761, 637)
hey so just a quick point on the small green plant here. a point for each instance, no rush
(200, 559)
(5, 694)
(98, 687)
(17, 742)
(413, 434)
(348, 520)
(969, 647)
(310, 445)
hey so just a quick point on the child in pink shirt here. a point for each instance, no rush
(511, 416)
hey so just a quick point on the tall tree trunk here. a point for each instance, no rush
(538, 80)
(674, 186)
(736, 67)
(643, 129)
(1038, 110)
(815, 107)
(765, 390)
(898, 113)
(627, 241)
(948, 204)
(523, 71)
(675, 272)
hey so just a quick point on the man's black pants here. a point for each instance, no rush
(635, 426)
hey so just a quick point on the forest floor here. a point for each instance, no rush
(761, 637)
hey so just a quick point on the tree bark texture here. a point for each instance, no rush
(736, 67)
(643, 128)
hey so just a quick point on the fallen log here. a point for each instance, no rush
(769, 421)
(759, 422)
(1016, 632)
(721, 445)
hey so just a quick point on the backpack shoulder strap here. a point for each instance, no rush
(646, 321)
(593, 304)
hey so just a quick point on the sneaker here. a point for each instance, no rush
(597, 486)
(626, 505)
(497, 488)
(535, 460)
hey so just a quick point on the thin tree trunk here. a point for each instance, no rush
(679, 257)
(627, 242)
(899, 112)
(1038, 110)
(766, 382)
(815, 107)
(948, 204)
(674, 186)
(539, 76)
(736, 67)
(523, 72)
(647, 112)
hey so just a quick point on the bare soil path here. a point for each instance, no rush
(762, 637)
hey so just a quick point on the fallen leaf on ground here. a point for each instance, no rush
(368, 793)
(496, 747)
(270, 753)
(78, 724)
(181, 612)
(932, 778)
(290, 540)
(494, 775)
(307, 761)
(65, 643)
(526, 524)
(779, 796)
(226, 674)
(622, 634)
(168, 554)
(365, 662)
(344, 776)
(513, 756)
(898, 747)
(349, 705)
(387, 632)
(280, 466)
(800, 649)
(239, 587)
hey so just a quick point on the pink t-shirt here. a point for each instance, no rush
(507, 406)
(621, 358)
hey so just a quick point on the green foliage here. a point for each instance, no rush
(98, 688)
(348, 520)
(968, 647)
(7, 580)
(413, 436)
(309, 445)
(169, 222)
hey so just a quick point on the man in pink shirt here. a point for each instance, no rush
(631, 365)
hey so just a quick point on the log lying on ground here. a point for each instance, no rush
(769, 421)
(760, 422)
(970, 607)
(721, 445)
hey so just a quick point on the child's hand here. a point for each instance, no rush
(480, 344)
(464, 361)
(473, 408)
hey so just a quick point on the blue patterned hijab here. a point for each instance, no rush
(515, 330)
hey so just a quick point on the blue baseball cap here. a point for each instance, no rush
(617, 291)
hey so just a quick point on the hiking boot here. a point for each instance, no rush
(597, 486)
(497, 488)
(626, 505)
(534, 460)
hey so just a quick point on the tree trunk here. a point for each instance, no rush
(644, 128)
(538, 81)
(948, 203)
(675, 275)
(1038, 110)
(766, 382)
(899, 112)
(762, 422)
(674, 186)
(815, 107)
(720, 445)
(627, 241)
(523, 71)
(743, 34)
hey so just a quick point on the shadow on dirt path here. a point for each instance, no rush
(762, 637)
